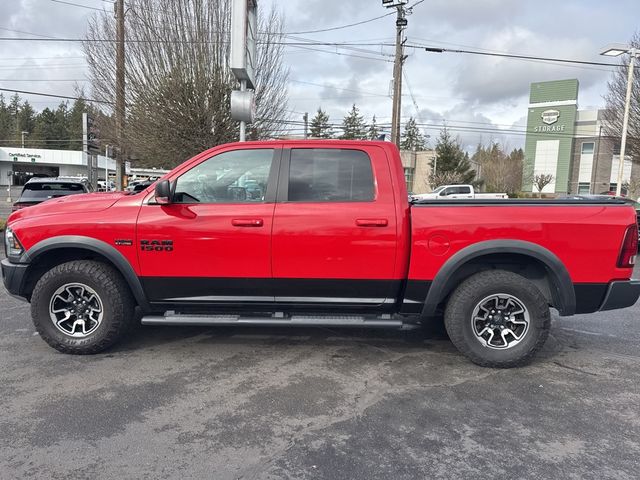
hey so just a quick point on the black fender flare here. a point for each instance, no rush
(562, 291)
(94, 245)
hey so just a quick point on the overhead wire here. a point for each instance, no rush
(42, 94)
(331, 29)
(78, 5)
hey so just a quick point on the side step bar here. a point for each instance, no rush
(171, 318)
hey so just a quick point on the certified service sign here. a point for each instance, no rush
(550, 116)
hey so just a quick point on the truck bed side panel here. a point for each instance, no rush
(586, 238)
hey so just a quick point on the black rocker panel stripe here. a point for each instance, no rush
(266, 290)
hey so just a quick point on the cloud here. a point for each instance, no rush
(485, 79)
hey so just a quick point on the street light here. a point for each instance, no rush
(615, 50)
(23, 134)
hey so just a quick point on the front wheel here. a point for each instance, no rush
(81, 307)
(497, 319)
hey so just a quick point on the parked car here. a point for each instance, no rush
(104, 186)
(134, 185)
(37, 190)
(143, 185)
(333, 241)
(447, 192)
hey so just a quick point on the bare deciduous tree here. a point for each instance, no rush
(541, 180)
(500, 172)
(178, 77)
(616, 99)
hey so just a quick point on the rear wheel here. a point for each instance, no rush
(497, 319)
(82, 307)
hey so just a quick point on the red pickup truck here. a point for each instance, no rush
(316, 233)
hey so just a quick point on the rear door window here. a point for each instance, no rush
(37, 192)
(330, 175)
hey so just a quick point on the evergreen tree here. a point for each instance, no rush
(6, 122)
(46, 129)
(14, 111)
(319, 127)
(74, 123)
(373, 132)
(26, 120)
(411, 138)
(353, 125)
(452, 165)
(61, 126)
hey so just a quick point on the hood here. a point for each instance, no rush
(85, 202)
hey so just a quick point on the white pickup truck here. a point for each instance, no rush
(447, 192)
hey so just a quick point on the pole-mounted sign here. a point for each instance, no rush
(244, 32)
(244, 40)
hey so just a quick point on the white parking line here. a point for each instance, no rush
(586, 332)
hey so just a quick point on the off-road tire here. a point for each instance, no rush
(462, 302)
(117, 301)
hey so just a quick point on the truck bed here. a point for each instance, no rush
(580, 234)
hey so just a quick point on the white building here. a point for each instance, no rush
(17, 165)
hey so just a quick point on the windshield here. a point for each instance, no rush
(439, 189)
(38, 192)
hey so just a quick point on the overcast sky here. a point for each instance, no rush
(473, 94)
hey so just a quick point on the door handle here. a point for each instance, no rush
(247, 222)
(372, 222)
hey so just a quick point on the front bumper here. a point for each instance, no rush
(621, 294)
(13, 276)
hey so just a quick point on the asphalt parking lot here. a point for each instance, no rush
(243, 403)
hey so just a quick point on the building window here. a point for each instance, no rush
(587, 148)
(584, 187)
(408, 177)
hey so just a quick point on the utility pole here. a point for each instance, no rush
(305, 117)
(401, 24)
(625, 121)
(120, 86)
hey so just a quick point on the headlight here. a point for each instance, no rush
(12, 245)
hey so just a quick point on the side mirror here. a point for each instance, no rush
(163, 193)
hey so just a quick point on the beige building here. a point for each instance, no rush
(417, 168)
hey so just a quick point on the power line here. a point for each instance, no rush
(514, 55)
(26, 33)
(344, 46)
(79, 5)
(334, 44)
(43, 80)
(339, 88)
(342, 26)
(42, 67)
(339, 54)
(13, 90)
(58, 57)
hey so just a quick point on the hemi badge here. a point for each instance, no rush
(126, 243)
